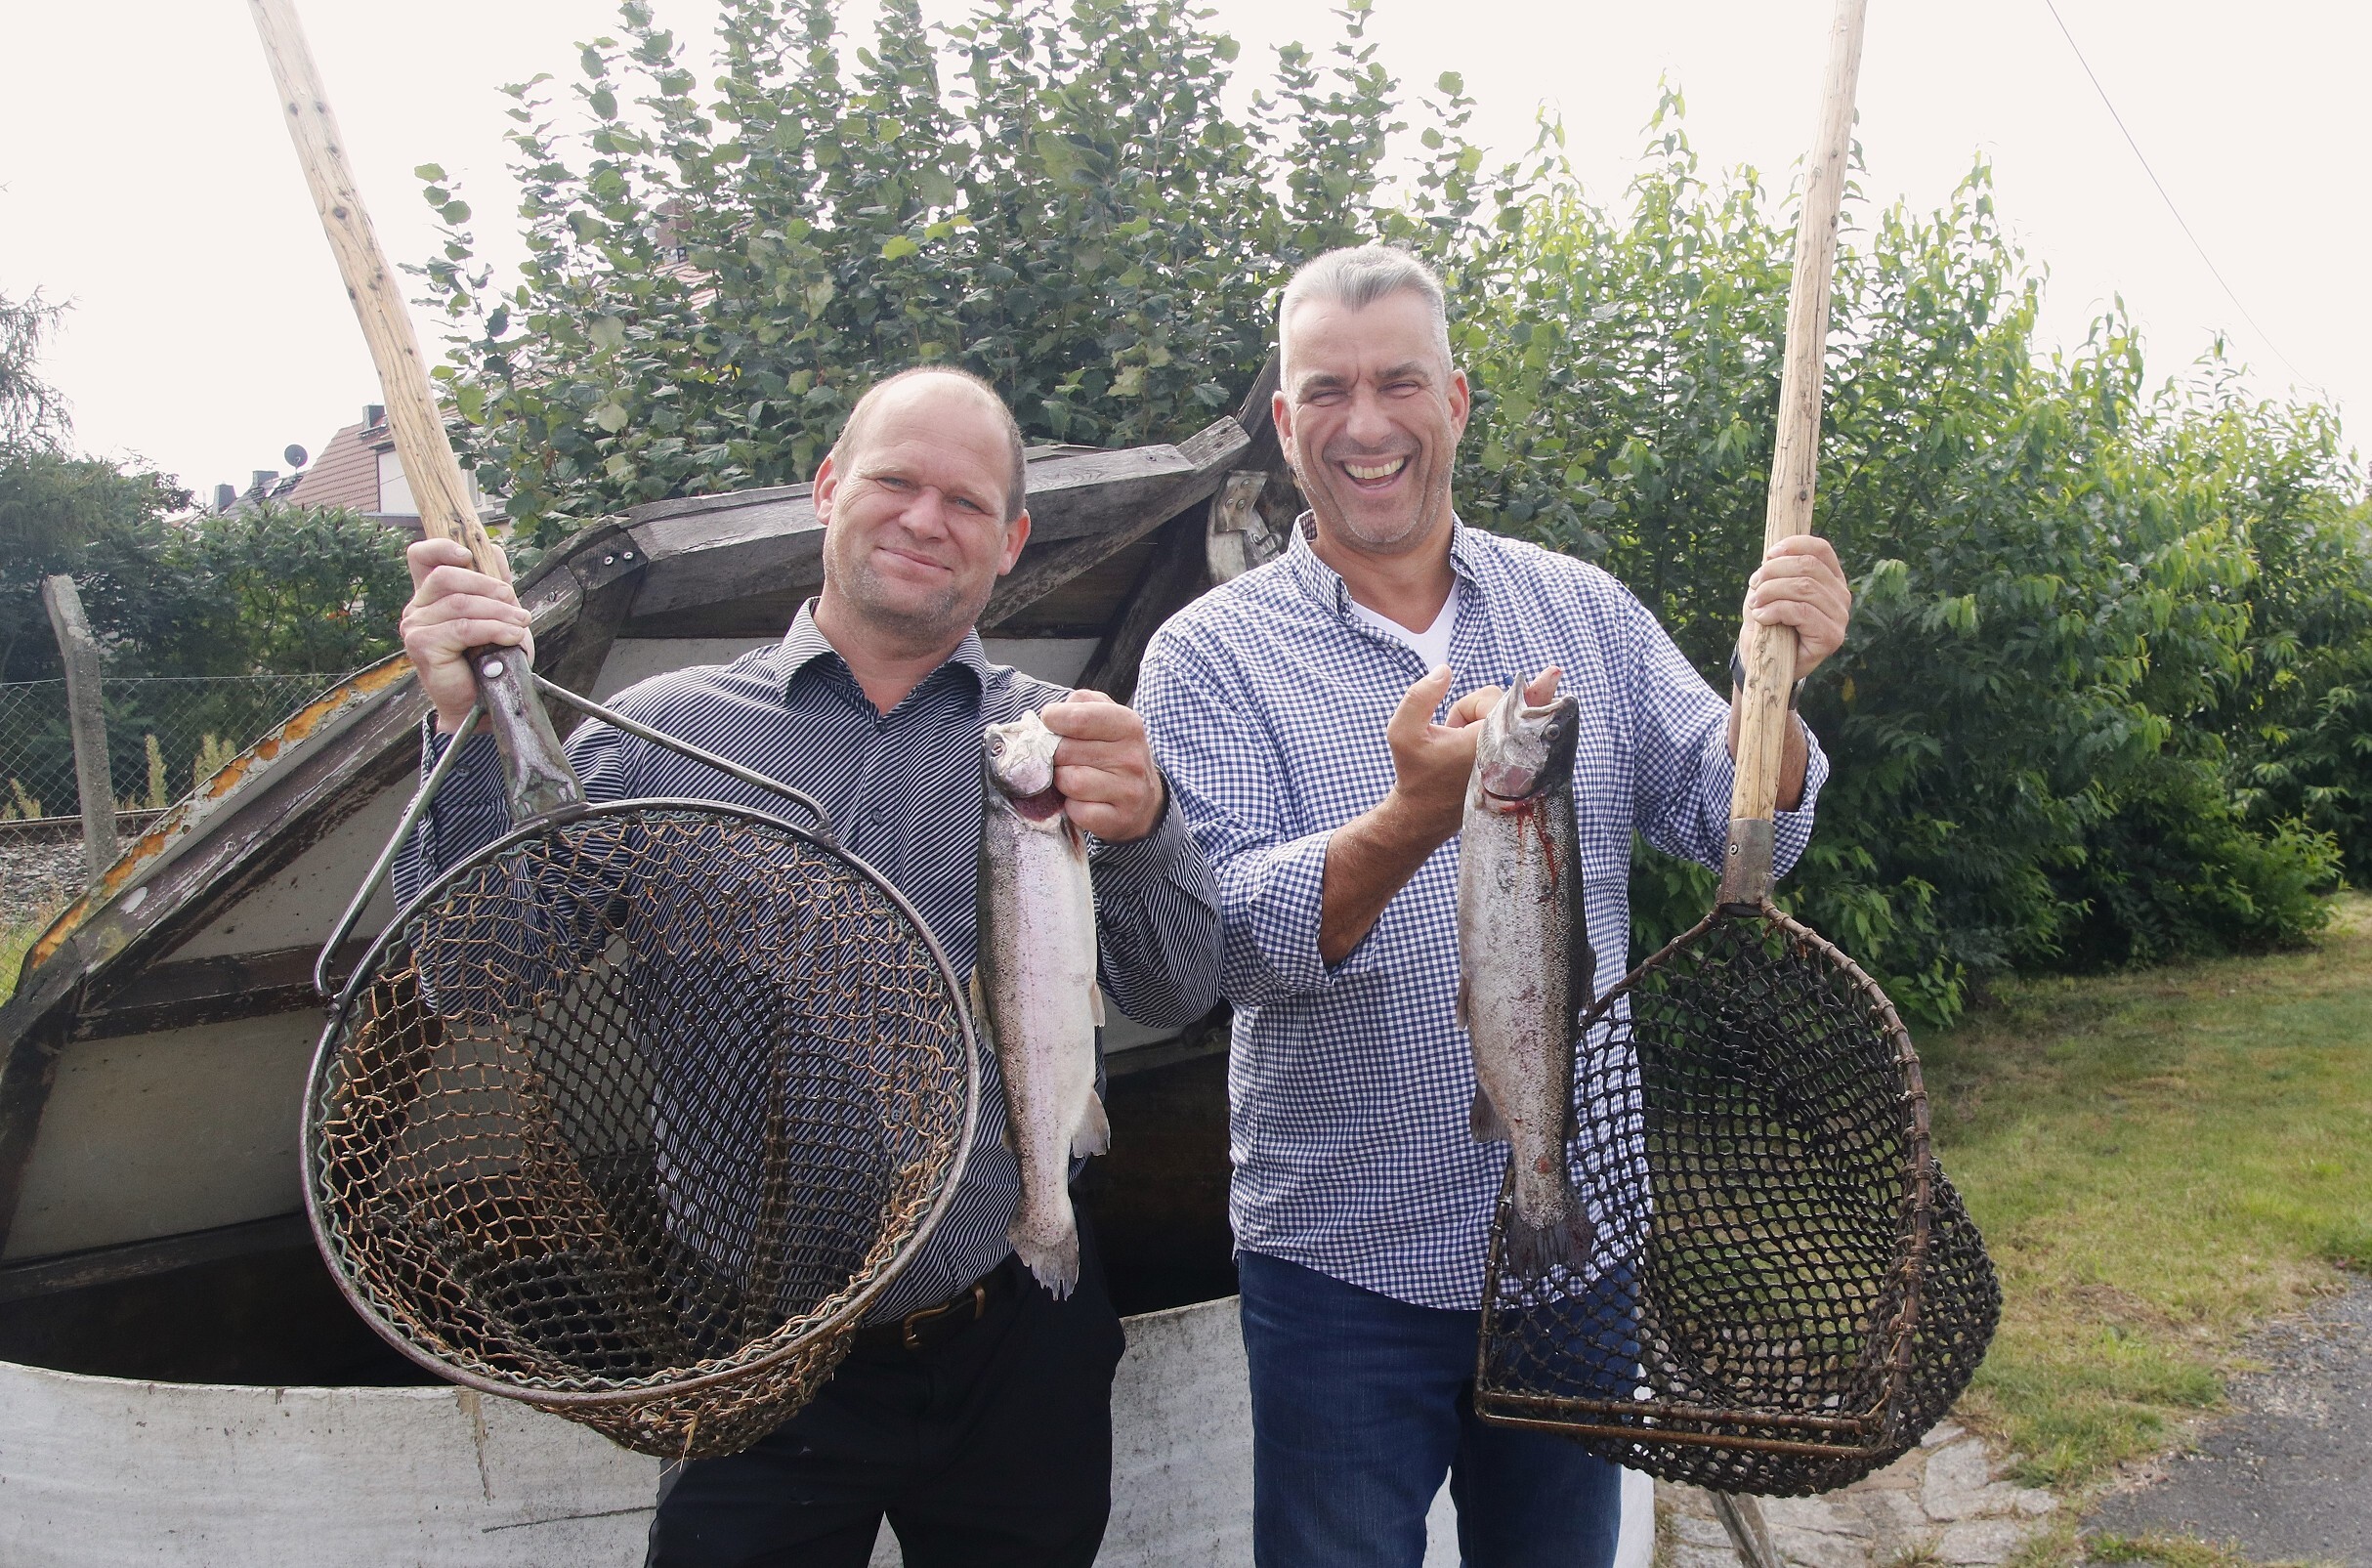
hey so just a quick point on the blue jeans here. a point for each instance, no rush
(1360, 1404)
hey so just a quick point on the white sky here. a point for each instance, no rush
(144, 176)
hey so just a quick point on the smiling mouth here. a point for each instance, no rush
(1375, 472)
(911, 559)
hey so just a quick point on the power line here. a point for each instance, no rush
(2230, 292)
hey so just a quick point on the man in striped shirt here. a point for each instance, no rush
(1316, 718)
(975, 1410)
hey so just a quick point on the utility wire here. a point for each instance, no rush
(2230, 292)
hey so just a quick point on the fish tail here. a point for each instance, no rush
(1562, 1238)
(1048, 1245)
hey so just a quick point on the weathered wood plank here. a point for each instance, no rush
(208, 991)
(86, 718)
(1171, 579)
(132, 1260)
(1204, 453)
(707, 552)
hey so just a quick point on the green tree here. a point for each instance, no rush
(1055, 197)
(2058, 572)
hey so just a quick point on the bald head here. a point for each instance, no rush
(931, 383)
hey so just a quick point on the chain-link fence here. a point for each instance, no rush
(166, 734)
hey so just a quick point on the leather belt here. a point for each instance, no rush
(920, 1329)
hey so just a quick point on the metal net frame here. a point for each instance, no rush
(631, 1115)
(1783, 1291)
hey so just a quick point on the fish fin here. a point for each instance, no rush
(1049, 1252)
(1095, 1002)
(1094, 1132)
(1534, 1249)
(1007, 1137)
(1462, 1006)
(980, 1005)
(1484, 1120)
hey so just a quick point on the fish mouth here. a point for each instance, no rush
(1043, 806)
(1506, 781)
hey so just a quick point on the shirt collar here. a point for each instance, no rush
(805, 643)
(1325, 585)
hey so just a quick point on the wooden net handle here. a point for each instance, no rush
(536, 778)
(1770, 664)
(429, 463)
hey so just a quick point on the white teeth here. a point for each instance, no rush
(1377, 470)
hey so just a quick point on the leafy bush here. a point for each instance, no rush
(2109, 693)
(1072, 213)
(2072, 593)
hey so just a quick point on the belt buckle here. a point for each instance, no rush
(914, 1320)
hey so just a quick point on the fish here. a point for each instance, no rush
(1034, 986)
(1525, 966)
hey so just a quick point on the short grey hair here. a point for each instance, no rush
(1357, 276)
(1017, 484)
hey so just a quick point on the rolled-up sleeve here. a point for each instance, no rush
(1225, 777)
(1680, 728)
(1157, 917)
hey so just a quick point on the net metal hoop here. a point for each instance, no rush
(681, 1396)
(1786, 1292)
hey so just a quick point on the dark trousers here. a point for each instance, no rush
(991, 1446)
(1360, 1404)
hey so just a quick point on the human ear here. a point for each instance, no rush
(1017, 535)
(826, 485)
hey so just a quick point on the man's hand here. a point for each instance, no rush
(455, 607)
(1104, 768)
(1800, 584)
(1372, 857)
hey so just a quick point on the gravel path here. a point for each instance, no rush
(36, 875)
(2288, 1475)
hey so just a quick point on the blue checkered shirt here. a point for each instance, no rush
(1350, 1083)
(902, 790)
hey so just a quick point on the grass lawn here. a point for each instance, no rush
(2157, 1160)
(15, 936)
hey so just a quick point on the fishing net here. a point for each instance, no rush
(1783, 1291)
(632, 1113)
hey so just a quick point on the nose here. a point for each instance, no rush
(925, 515)
(1368, 424)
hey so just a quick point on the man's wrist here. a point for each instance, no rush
(1737, 679)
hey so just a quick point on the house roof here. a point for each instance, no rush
(347, 472)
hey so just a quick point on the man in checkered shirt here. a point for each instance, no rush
(1316, 720)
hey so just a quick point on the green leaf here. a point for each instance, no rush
(898, 245)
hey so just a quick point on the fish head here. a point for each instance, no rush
(1525, 749)
(1017, 759)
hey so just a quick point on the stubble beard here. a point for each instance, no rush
(951, 612)
(1432, 503)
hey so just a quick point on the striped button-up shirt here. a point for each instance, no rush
(1350, 1083)
(902, 789)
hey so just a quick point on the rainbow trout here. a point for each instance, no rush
(1035, 987)
(1525, 965)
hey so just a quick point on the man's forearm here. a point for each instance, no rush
(1368, 860)
(1795, 761)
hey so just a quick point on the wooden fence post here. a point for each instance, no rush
(93, 777)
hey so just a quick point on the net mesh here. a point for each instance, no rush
(629, 1115)
(1784, 1293)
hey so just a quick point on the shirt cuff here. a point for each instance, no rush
(1145, 859)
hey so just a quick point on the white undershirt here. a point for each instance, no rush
(1433, 645)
